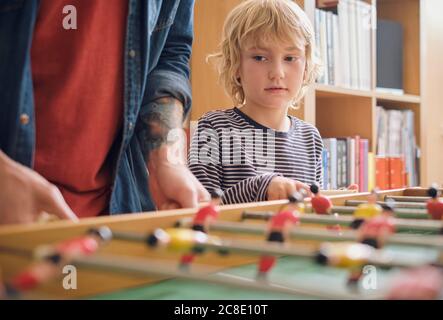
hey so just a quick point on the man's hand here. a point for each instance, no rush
(24, 195)
(281, 188)
(171, 183)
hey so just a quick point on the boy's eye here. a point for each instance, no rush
(259, 58)
(291, 58)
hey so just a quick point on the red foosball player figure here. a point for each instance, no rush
(207, 214)
(375, 231)
(202, 221)
(434, 205)
(320, 203)
(422, 283)
(278, 230)
(50, 258)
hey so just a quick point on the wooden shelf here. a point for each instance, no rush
(409, 98)
(331, 91)
(327, 91)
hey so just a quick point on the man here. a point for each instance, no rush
(89, 92)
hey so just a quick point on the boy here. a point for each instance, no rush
(256, 152)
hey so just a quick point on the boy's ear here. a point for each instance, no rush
(237, 76)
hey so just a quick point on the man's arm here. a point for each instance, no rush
(166, 101)
(170, 77)
(162, 116)
(171, 183)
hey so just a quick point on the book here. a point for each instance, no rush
(396, 172)
(382, 173)
(364, 148)
(389, 56)
(331, 145)
(325, 168)
(326, 3)
(343, 13)
(342, 163)
(371, 171)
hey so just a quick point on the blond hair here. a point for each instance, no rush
(260, 20)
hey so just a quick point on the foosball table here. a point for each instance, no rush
(156, 255)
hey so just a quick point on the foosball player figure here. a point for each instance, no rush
(366, 210)
(201, 222)
(350, 255)
(278, 230)
(187, 241)
(207, 214)
(434, 205)
(375, 231)
(421, 283)
(50, 258)
(321, 204)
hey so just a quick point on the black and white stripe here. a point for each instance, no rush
(232, 152)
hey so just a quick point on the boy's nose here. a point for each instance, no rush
(276, 71)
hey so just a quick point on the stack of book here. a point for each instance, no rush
(343, 40)
(397, 159)
(346, 161)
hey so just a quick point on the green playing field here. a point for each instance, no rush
(288, 272)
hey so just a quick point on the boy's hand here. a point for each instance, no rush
(353, 186)
(281, 188)
(24, 195)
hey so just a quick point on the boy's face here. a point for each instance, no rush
(271, 74)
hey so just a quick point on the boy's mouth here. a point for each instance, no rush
(276, 89)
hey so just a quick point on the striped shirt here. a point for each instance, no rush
(231, 151)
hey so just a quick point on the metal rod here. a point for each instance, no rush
(412, 205)
(144, 267)
(334, 219)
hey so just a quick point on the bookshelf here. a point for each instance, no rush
(341, 111)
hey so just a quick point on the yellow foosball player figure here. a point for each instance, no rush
(352, 256)
(367, 210)
(191, 242)
(180, 240)
(278, 229)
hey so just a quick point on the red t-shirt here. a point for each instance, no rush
(279, 220)
(78, 77)
(204, 213)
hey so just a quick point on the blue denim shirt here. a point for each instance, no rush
(158, 47)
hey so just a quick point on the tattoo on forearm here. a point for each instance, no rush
(164, 115)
